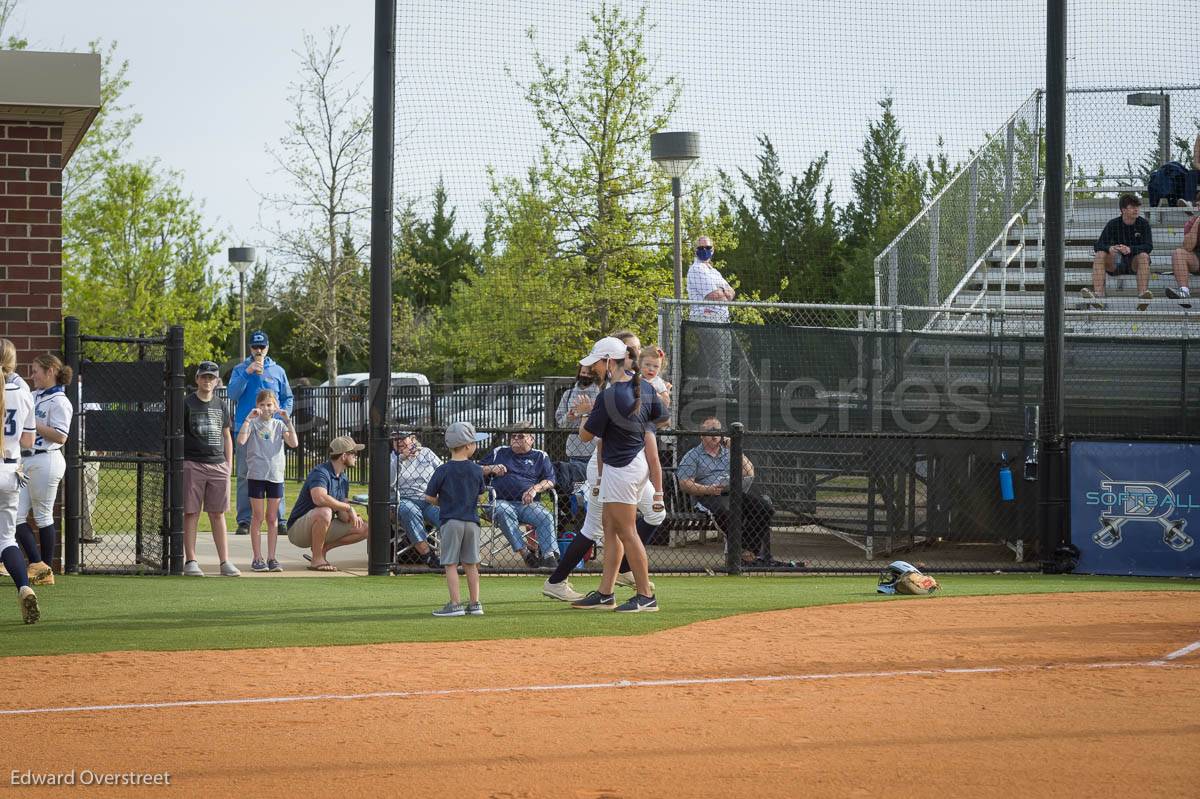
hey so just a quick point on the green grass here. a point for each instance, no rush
(96, 614)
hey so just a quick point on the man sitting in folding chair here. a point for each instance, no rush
(412, 465)
(519, 473)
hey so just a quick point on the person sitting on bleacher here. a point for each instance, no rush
(703, 472)
(1123, 248)
(412, 466)
(1186, 259)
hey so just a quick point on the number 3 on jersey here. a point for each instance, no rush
(10, 423)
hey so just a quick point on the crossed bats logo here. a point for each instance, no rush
(1141, 501)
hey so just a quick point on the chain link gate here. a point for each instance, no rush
(124, 499)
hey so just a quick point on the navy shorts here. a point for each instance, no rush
(261, 489)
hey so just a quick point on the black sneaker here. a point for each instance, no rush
(531, 558)
(281, 528)
(243, 528)
(1184, 297)
(639, 604)
(432, 560)
(595, 601)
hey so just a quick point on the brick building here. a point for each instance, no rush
(47, 102)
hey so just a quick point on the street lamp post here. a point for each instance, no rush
(1163, 101)
(240, 258)
(674, 152)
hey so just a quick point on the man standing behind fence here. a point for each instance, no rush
(252, 375)
(704, 282)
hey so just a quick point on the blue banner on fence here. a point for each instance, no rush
(1131, 507)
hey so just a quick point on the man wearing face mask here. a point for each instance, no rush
(704, 282)
(574, 405)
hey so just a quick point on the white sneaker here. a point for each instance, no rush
(27, 602)
(626, 579)
(192, 569)
(229, 570)
(562, 591)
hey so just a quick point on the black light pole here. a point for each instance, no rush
(382, 121)
(1052, 489)
(241, 258)
(674, 152)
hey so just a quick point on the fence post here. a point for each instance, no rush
(74, 467)
(935, 224)
(733, 536)
(972, 202)
(1010, 143)
(893, 277)
(139, 493)
(175, 400)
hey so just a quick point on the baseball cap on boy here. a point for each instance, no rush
(208, 368)
(607, 347)
(460, 434)
(259, 339)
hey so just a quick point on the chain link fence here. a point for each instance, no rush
(122, 430)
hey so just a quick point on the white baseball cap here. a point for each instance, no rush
(607, 347)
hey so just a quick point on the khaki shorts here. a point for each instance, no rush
(300, 533)
(205, 487)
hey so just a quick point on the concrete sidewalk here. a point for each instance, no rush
(351, 560)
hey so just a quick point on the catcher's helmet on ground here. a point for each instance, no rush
(901, 577)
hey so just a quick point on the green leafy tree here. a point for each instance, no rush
(136, 258)
(108, 137)
(438, 257)
(8, 39)
(528, 312)
(607, 202)
(788, 243)
(889, 191)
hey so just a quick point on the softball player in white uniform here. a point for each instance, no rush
(16, 413)
(44, 466)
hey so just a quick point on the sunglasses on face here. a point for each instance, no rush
(258, 346)
(704, 250)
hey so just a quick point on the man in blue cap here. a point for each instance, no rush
(256, 373)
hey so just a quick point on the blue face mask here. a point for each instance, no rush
(704, 253)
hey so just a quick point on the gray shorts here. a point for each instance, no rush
(459, 542)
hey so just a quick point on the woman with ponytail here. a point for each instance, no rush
(16, 412)
(44, 466)
(621, 417)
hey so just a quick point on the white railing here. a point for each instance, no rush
(912, 267)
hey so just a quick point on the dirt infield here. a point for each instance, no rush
(869, 700)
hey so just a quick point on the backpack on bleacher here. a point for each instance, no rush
(1166, 181)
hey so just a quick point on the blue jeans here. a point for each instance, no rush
(243, 490)
(413, 514)
(508, 514)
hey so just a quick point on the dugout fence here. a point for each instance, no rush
(124, 479)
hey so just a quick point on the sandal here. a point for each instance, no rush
(323, 566)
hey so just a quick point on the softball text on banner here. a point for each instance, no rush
(1132, 506)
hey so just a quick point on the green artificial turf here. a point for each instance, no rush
(95, 613)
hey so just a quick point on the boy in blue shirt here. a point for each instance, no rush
(455, 488)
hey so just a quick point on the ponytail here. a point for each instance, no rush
(637, 384)
(8, 365)
(62, 372)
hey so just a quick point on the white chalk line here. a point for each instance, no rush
(588, 686)
(1187, 650)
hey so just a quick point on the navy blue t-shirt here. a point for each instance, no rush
(612, 420)
(523, 471)
(321, 477)
(457, 486)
